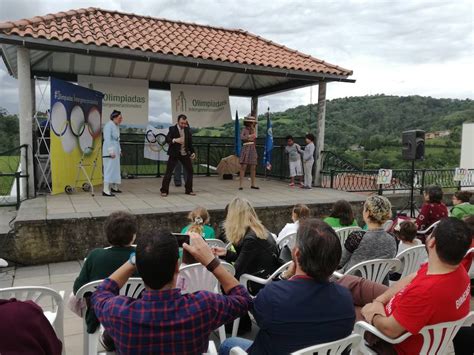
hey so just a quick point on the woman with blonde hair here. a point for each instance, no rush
(374, 243)
(199, 218)
(256, 252)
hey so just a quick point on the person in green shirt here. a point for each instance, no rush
(462, 206)
(341, 215)
(200, 219)
(120, 229)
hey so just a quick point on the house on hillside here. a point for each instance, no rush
(437, 134)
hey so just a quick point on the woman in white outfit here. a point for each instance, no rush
(111, 152)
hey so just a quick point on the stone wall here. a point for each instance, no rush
(39, 241)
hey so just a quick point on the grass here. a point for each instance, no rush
(8, 165)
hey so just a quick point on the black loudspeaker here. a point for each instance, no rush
(413, 145)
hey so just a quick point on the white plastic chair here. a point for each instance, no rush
(429, 229)
(343, 233)
(36, 294)
(211, 349)
(216, 243)
(245, 278)
(289, 240)
(333, 348)
(196, 277)
(133, 288)
(411, 259)
(375, 270)
(436, 338)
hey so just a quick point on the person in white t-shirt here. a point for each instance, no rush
(299, 212)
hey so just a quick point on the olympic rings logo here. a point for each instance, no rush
(157, 141)
(72, 128)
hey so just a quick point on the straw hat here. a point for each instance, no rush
(250, 119)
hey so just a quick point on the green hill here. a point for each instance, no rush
(376, 123)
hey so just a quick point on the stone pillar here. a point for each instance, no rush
(321, 128)
(25, 100)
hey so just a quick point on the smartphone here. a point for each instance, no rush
(181, 239)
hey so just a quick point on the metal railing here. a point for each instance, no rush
(11, 179)
(366, 180)
(209, 152)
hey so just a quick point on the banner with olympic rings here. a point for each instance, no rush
(76, 133)
(156, 147)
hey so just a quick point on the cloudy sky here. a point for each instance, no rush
(394, 47)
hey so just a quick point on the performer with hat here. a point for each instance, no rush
(248, 155)
(111, 150)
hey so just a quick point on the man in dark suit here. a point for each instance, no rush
(180, 148)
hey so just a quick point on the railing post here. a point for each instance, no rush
(380, 191)
(18, 192)
(331, 185)
(282, 153)
(208, 173)
(422, 190)
(136, 159)
(27, 173)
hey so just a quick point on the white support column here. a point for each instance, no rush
(321, 129)
(25, 99)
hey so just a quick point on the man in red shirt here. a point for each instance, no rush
(439, 292)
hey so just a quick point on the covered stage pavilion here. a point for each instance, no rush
(106, 43)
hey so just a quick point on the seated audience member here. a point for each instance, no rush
(25, 330)
(120, 229)
(298, 213)
(341, 215)
(462, 206)
(406, 234)
(256, 252)
(199, 218)
(254, 249)
(374, 243)
(163, 321)
(307, 309)
(437, 293)
(433, 209)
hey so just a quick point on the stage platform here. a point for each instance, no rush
(65, 227)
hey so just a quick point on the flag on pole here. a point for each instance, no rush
(237, 142)
(267, 155)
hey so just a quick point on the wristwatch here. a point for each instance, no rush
(213, 264)
(132, 259)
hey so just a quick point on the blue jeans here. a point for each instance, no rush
(230, 343)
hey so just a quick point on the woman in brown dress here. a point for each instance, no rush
(248, 155)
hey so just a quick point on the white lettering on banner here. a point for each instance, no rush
(205, 106)
(130, 96)
(463, 297)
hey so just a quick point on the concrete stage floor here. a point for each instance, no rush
(66, 227)
(143, 196)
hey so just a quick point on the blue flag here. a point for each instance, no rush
(267, 155)
(237, 142)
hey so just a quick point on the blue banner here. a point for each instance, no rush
(237, 141)
(267, 155)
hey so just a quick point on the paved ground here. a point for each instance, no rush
(143, 196)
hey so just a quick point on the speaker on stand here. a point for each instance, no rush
(413, 148)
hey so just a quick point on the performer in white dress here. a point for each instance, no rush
(111, 152)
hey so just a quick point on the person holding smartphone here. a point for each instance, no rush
(162, 319)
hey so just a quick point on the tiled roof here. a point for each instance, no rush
(144, 33)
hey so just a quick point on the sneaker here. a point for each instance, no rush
(292, 184)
